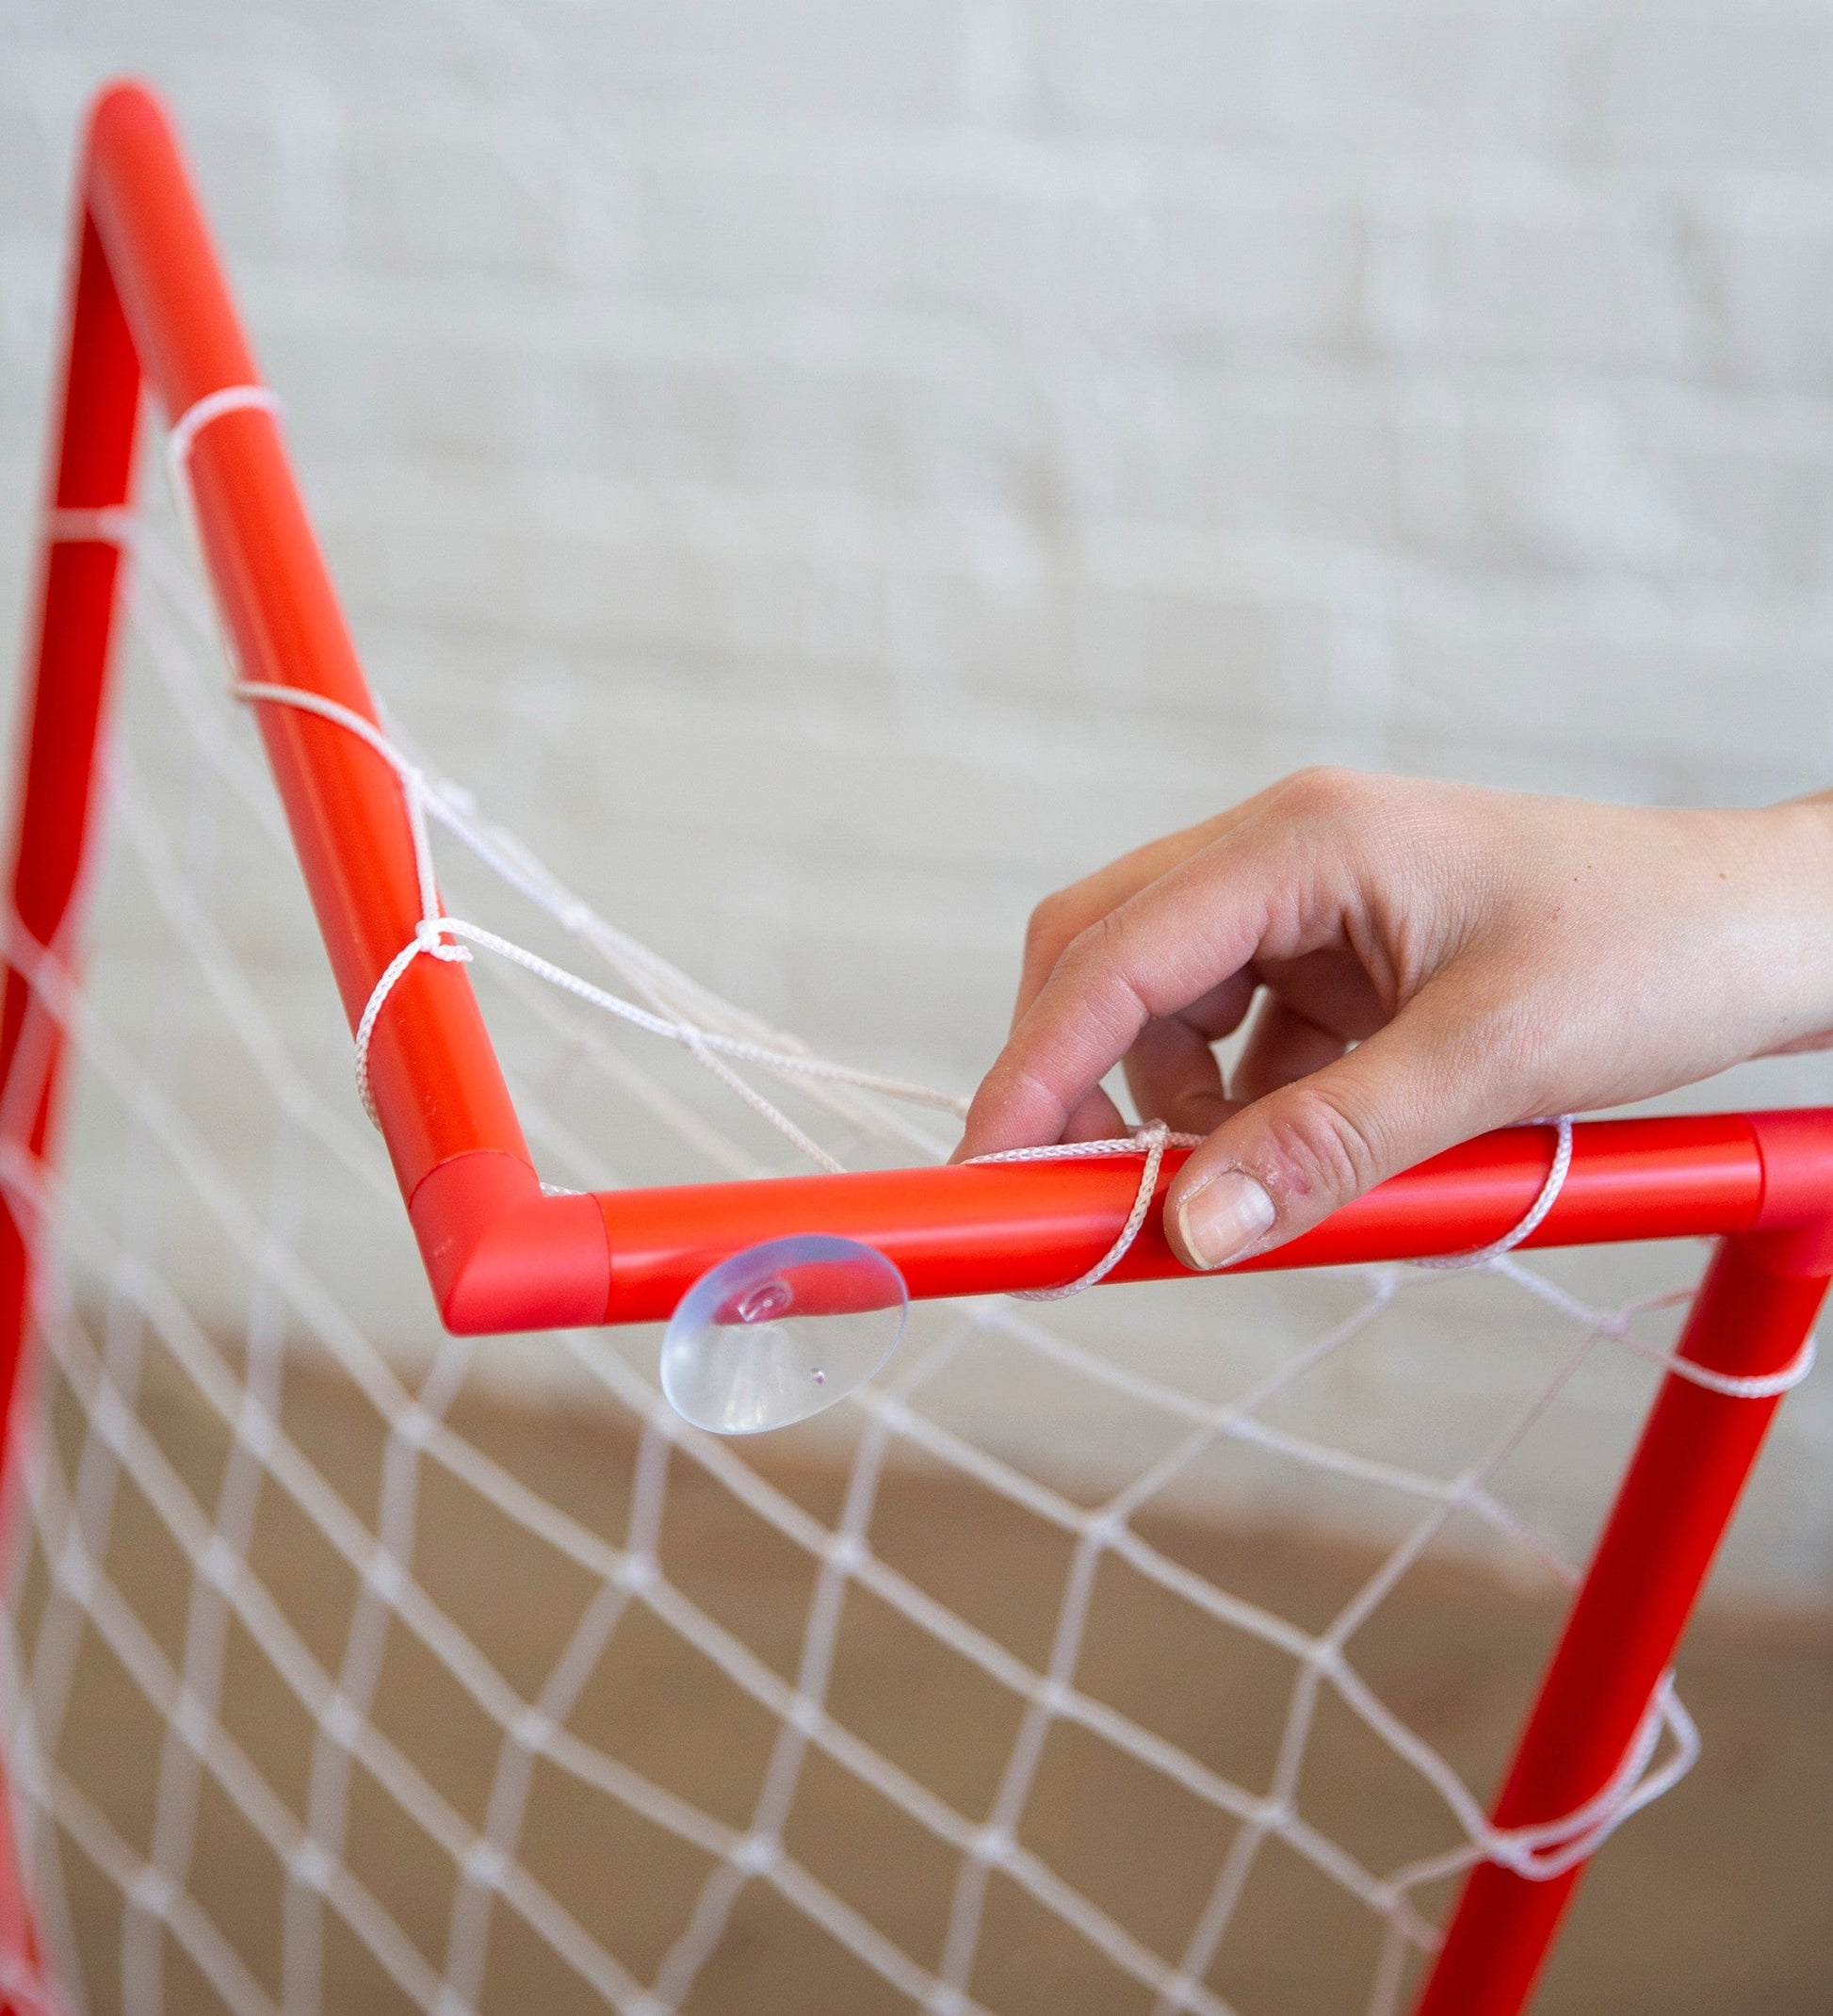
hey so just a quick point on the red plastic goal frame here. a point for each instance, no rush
(150, 308)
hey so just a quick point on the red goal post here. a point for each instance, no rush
(150, 309)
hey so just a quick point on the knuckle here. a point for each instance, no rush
(1095, 963)
(1030, 1094)
(1052, 924)
(1325, 790)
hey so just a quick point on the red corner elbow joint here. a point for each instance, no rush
(502, 1255)
(1794, 1227)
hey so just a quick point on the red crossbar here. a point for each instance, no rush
(149, 297)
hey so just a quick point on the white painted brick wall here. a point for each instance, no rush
(917, 451)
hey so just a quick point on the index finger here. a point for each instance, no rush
(1162, 949)
(1061, 917)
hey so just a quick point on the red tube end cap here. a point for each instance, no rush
(1794, 1219)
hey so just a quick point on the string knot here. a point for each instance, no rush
(432, 934)
(1151, 1141)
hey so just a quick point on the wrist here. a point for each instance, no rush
(1796, 865)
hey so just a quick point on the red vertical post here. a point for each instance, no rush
(64, 699)
(1749, 1321)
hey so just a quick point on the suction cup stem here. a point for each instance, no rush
(781, 1331)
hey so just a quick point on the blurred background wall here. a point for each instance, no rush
(832, 473)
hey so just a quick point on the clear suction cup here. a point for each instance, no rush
(781, 1331)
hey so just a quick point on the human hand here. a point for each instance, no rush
(1423, 962)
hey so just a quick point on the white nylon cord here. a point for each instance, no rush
(432, 934)
(110, 524)
(1550, 1189)
(1760, 1387)
(1151, 1141)
(1154, 1138)
(181, 437)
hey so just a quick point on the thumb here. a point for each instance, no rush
(1275, 1167)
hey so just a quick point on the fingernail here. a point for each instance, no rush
(1224, 1218)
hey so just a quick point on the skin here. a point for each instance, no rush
(1417, 961)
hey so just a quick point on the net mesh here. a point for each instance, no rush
(1071, 1665)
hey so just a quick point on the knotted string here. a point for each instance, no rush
(1150, 1140)
(440, 936)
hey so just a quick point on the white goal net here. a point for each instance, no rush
(1157, 1650)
